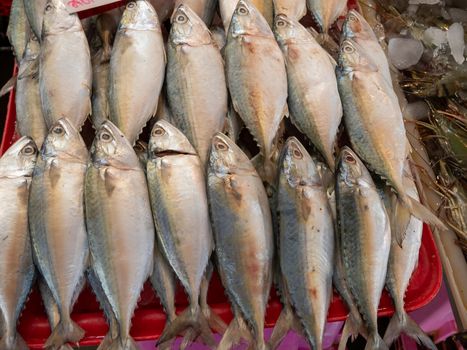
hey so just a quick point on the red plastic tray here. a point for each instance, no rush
(149, 318)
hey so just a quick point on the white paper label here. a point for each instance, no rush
(80, 5)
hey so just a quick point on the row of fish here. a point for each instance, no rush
(121, 241)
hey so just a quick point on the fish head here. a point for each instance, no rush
(352, 58)
(188, 28)
(296, 164)
(57, 19)
(247, 20)
(355, 25)
(287, 29)
(19, 159)
(111, 148)
(139, 15)
(65, 140)
(227, 158)
(167, 139)
(350, 169)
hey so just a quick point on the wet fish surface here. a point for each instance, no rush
(18, 29)
(65, 72)
(29, 117)
(326, 12)
(57, 224)
(314, 101)
(196, 86)
(243, 239)
(121, 237)
(137, 68)
(35, 14)
(295, 9)
(365, 240)
(227, 9)
(16, 264)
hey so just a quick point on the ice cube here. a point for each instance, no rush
(456, 42)
(435, 36)
(418, 110)
(405, 52)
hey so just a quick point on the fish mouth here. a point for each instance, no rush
(169, 152)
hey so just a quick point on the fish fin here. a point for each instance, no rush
(109, 182)
(406, 325)
(422, 213)
(284, 324)
(13, 343)
(67, 331)
(118, 344)
(189, 318)
(10, 85)
(26, 69)
(236, 331)
(375, 342)
(54, 173)
(400, 219)
(353, 326)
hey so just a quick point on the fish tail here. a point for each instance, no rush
(236, 331)
(421, 212)
(13, 343)
(375, 342)
(190, 318)
(284, 323)
(119, 344)
(404, 324)
(352, 328)
(66, 331)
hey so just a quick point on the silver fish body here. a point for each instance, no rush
(35, 14)
(326, 12)
(176, 182)
(121, 237)
(29, 117)
(65, 73)
(314, 102)
(18, 30)
(251, 55)
(16, 262)
(100, 88)
(306, 239)
(227, 9)
(365, 239)
(244, 240)
(295, 9)
(137, 68)
(57, 224)
(196, 86)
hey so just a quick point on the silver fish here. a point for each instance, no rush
(243, 239)
(403, 260)
(29, 118)
(205, 9)
(306, 239)
(65, 73)
(137, 68)
(16, 263)
(314, 102)
(18, 30)
(57, 224)
(121, 237)
(196, 87)
(374, 122)
(365, 239)
(227, 9)
(252, 54)
(295, 9)
(326, 12)
(183, 229)
(35, 14)
(357, 28)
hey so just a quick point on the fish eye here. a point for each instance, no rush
(353, 18)
(349, 159)
(58, 130)
(297, 154)
(105, 136)
(280, 23)
(349, 49)
(48, 7)
(33, 38)
(181, 18)
(220, 146)
(28, 150)
(131, 5)
(158, 132)
(242, 10)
